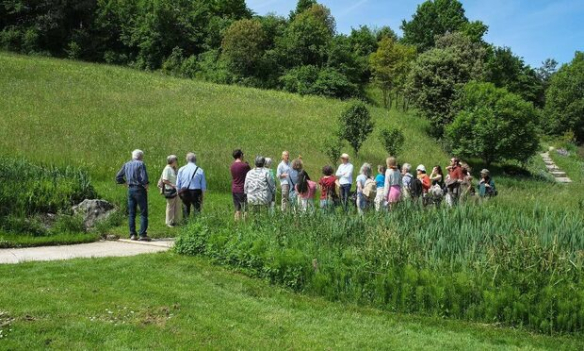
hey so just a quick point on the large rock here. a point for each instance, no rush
(94, 211)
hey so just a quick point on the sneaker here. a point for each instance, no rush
(145, 238)
(133, 237)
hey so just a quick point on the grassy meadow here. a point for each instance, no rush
(68, 113)
(90, 116)
(167, 301)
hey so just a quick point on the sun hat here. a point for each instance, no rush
(421, 168)
(485, 172)
(345, 156)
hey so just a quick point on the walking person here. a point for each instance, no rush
(345, 176)
(259, 186)
(393, 183)
(283, 173)
(192, 185)
(133, 174)
(380, 183)
(170, 192)
(239, 170)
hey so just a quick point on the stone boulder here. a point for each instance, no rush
(93, 211)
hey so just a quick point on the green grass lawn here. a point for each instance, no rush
(172, 302)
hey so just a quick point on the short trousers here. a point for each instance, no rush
(239, 201)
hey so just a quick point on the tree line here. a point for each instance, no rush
(430, 67)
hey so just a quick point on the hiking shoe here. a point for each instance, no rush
(133, 237)
(144, 238)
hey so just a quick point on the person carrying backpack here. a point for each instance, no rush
(393, 183)
(366, 188)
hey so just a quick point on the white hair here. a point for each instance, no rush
(407, 167)
(268, 162)
(366, 170)
(170, 159)
(191, 157)
(137, 154)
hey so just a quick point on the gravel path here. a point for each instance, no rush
(98, 249)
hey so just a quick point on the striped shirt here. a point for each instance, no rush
(133, 173)
(185, 179)
(259, 187)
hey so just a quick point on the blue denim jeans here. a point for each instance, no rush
(345, 193)
(138, 197)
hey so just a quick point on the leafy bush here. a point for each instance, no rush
(393, 140)
(310, 80)
(491, 264)
(494, 125)
(355, 124)
(28, 189)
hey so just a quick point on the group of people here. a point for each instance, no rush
(185, 185)
(254, 189)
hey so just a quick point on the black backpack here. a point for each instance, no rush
(416, 188)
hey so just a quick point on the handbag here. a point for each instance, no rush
(170, 192)
(185, 189)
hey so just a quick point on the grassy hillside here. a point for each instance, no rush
(79, 114)
(93, 115)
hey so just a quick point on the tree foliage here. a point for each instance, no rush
(355, 125)
(244, 46)
(392, 140)
(435, 18)
(438, 74)
(493, 125)
(565, 99)
(506, 70)
(390, 65)
(307, 37)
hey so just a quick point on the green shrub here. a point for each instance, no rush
(392, 140)
(27, 189)
(486, 263)
(355, 124)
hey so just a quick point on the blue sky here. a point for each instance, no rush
(534, 29)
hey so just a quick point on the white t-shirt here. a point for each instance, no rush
(283, 168)
(345, 174)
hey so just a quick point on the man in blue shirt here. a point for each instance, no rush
(192, 185)
(133, 174)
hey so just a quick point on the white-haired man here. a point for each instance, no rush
(134, 175)
(191, 185)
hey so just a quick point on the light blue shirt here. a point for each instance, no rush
(185, 178)
(283, 168)
(345, 174)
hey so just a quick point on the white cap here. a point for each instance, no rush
(345, 156)
(421, 168)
